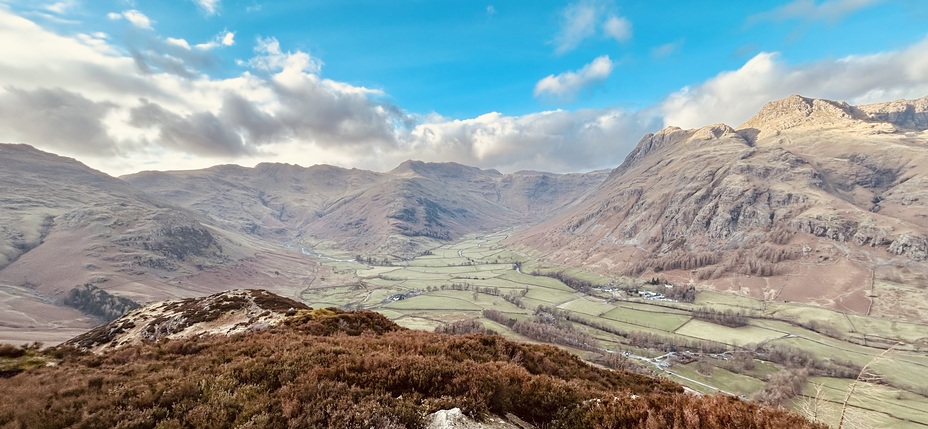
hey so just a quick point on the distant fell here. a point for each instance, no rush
(401, 212)
(76, 245)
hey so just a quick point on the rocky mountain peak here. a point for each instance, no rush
(797, 111)
(714, 131)
(440, 170)
(906, 114)
(671, 137)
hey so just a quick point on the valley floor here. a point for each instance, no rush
(464, 280)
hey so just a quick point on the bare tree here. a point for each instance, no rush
(862, 387)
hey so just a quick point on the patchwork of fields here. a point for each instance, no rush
(460, 281)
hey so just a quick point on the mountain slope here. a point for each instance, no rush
(400, 212)
(78, 247)
(807, 192)
(69, 233)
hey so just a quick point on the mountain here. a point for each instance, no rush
(329, 368)
(809, 200)
(69, 233)
(78, 247)
(401, 212)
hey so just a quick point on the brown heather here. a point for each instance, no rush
(328, 368)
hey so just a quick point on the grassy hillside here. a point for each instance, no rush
(328, 368)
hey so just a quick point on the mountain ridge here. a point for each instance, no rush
(400, 212)
(751, 209)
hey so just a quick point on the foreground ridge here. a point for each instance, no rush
(331, 368)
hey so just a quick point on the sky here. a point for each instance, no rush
(560, 86)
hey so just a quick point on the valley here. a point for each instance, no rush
(461, 281)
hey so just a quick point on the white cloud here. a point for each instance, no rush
(578, 22)
(667, 49)
(828, 10)
(117, 111)
(618, 28)
(225, 38)
(734, 96)
(119, 119)
(268, 57)
(581, 19)
(491, 10)
(61, 7)
(566, 85)
(137, 19)
(178, 42)
(211, 7)
(134, 17)
(119, 116)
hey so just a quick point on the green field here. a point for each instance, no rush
(656, 319)
(732, 336)
(459, 281)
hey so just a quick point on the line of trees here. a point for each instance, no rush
(499, 317)
(728, 318)
(782, 386)
(546, 326)
(575, 283)
(554, 333)
(515, 298)
(793, 357)
(678, 260)
(370, 260)
(647, 340)
(461, 327)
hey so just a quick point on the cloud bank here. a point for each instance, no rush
(154, 107)
(734, 96)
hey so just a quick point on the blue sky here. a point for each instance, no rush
(548, 85)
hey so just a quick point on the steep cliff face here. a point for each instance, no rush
(804, 183)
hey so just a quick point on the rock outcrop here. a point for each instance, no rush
(455, 419)
(905, 114)
(224, 313)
